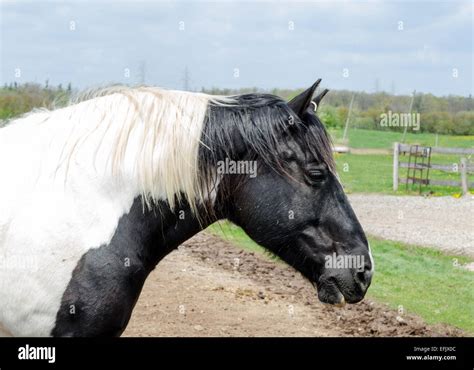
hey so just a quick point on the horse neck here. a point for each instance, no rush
(158, 229)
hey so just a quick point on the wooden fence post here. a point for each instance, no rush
(396, 152)
(464, 176)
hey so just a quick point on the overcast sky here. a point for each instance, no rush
(397, 46)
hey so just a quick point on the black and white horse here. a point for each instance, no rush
(94, 195)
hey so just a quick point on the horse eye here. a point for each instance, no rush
(316, 174)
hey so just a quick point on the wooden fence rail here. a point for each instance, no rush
(440, 150)
(463, 168)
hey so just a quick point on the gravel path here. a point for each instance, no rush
(446, 223)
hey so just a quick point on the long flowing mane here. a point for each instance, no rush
(169, 140)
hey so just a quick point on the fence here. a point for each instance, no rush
(464, 168)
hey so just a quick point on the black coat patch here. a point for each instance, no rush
(107, 281)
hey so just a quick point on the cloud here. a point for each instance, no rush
(273, 44)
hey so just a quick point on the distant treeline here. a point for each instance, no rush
(17, 99)
(444, 115)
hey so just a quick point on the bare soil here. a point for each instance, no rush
(208, 287)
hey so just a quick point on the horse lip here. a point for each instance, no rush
(341, 303)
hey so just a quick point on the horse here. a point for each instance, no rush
(94, 194)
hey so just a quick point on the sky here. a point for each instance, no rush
(394, 46)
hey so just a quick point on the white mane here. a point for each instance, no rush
(146, 133)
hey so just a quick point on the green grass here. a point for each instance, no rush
(422, 280)
(372, 173)
(227, 230)
(360, 138)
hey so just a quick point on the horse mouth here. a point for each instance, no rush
(342, 303)
(330, 295)
(329, 292)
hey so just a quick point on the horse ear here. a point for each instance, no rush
(318, 99)
(301, 102)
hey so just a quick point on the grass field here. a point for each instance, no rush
(359, 138)
(372, 173)
(422, 280)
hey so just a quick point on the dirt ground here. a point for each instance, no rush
(209, 287)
